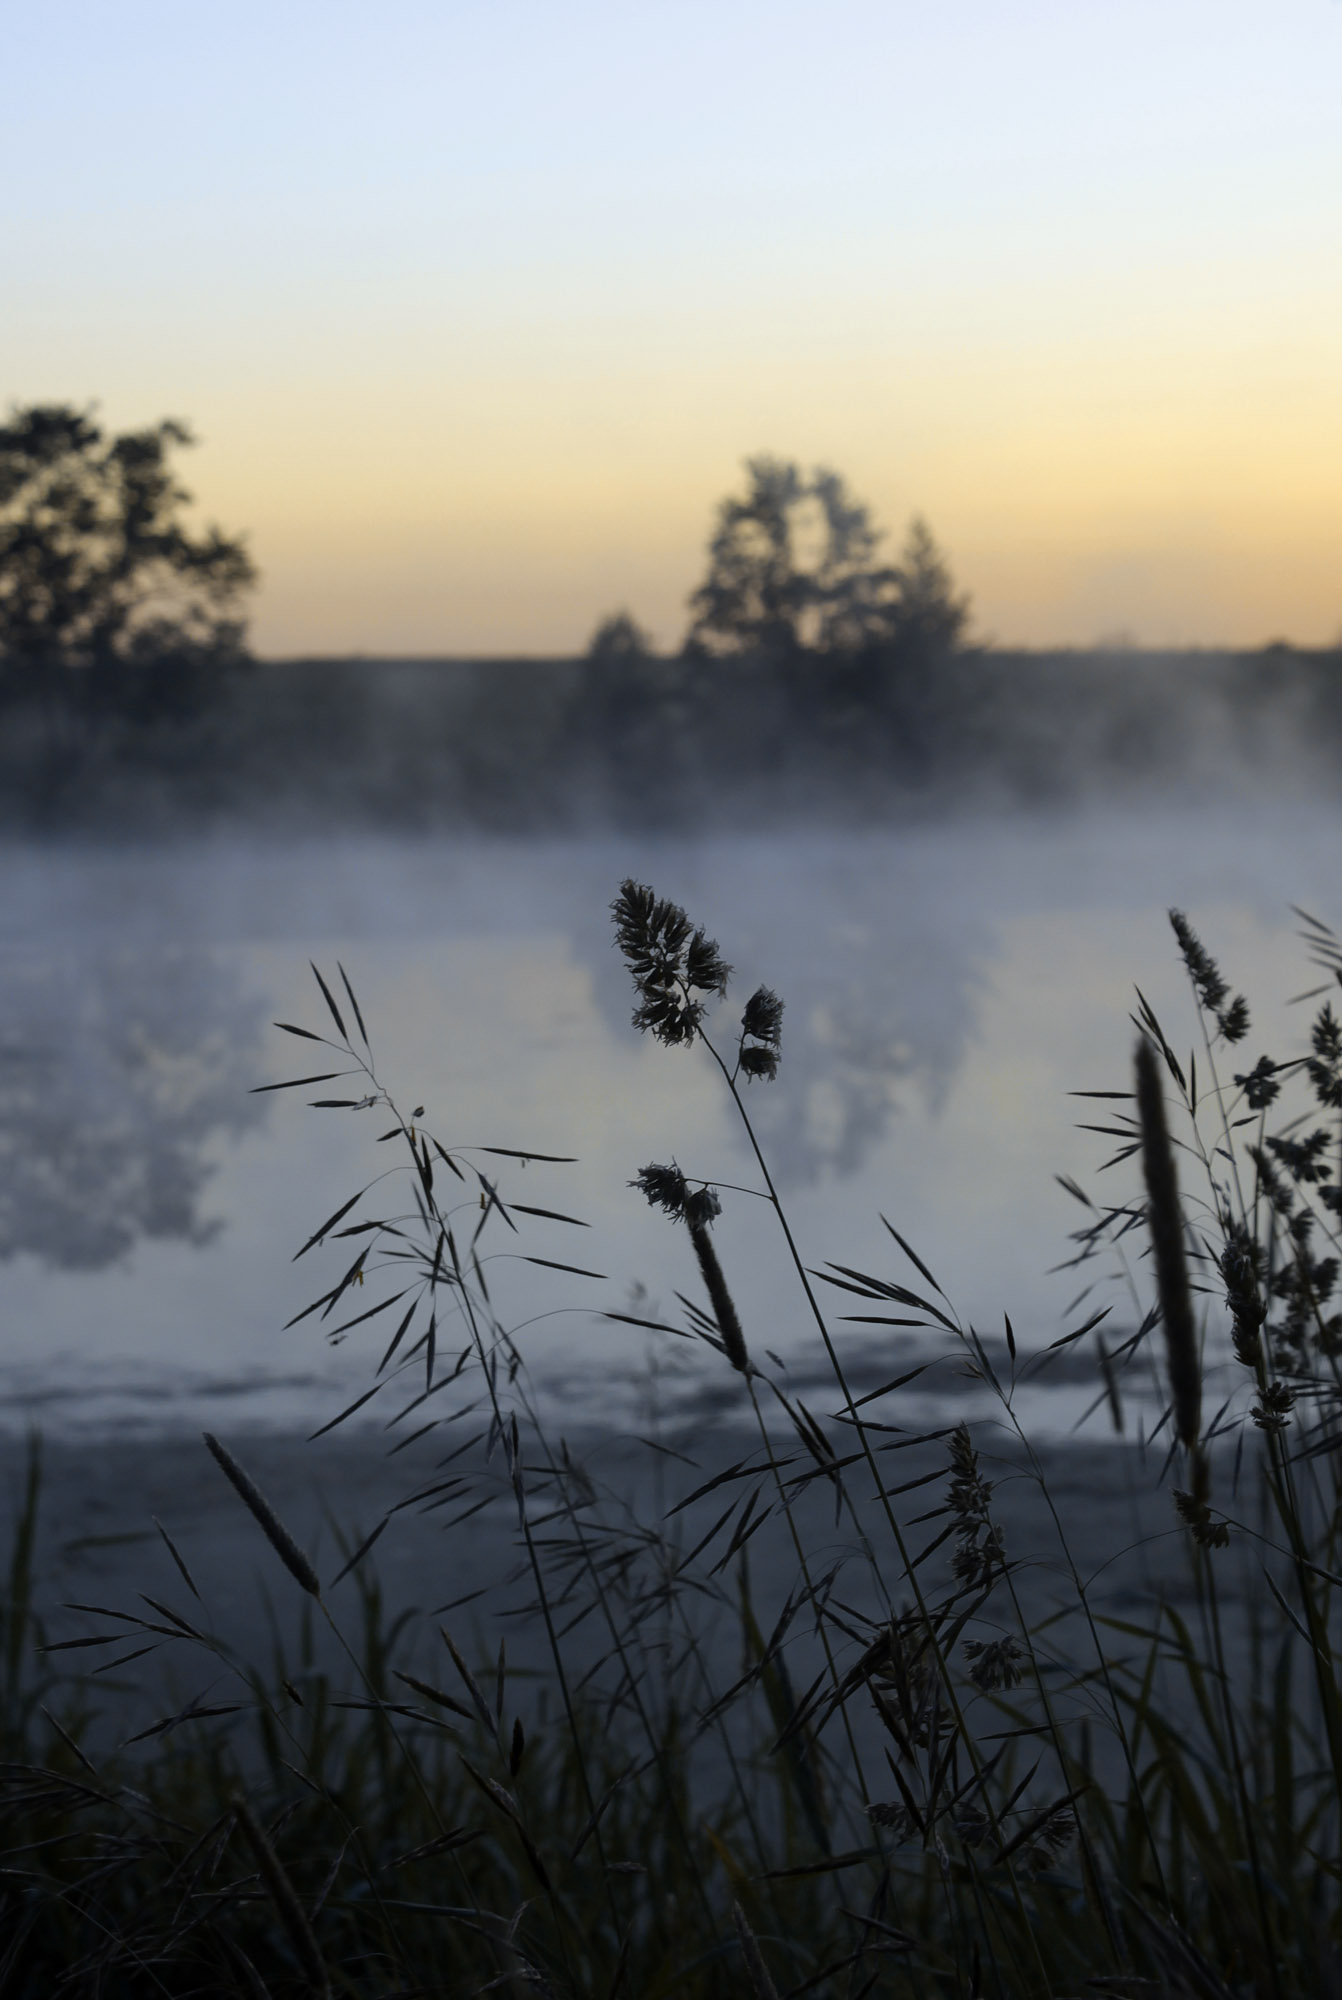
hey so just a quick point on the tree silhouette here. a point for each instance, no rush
(791, 566)
(794, 567)
(121, 1065)
(107, 600)
(929, 616)
(619, 637)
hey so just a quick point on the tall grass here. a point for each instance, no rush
(940, 1765)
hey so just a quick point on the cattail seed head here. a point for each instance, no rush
(668, 1189)
(724, 1308)
(274, 1530)
(1166, 1226)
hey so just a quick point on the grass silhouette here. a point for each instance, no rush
(942, 1765)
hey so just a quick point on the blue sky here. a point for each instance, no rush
(476, 309)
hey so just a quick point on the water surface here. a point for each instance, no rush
(946, 987)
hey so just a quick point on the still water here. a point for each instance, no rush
(945, 988)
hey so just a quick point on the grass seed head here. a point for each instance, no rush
(1260, 1084)
(763, 1016)
(1196, 1514)
(283, 1543)
(667, 1188)
(724, 1308)
(1165, 1223)
(761, 1034)
(1054, 1836)
(995, 1663)
(1231, 1015)
(759, 1062)
(670, 962)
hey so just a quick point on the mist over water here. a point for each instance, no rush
(946, 985)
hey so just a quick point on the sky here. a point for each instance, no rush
(477, 307)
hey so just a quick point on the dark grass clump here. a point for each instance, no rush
(932, 1763)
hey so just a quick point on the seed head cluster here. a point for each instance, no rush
(1273, 1407)
(1324, 1067)
(980, 1544)
(1057, 1833)
(1260, 1084)
(1240, 1265)
(672, 963)
(667, 1188)
(1196, 1514)
(995, 1663)
(1232, 1014)
(761, 1034)
(901, 1669)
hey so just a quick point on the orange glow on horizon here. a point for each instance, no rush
(1075, 496)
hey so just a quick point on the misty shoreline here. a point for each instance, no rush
(535, 746)
(99, 1542)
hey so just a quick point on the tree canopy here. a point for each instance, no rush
(929, 616)
(619, 638)
(105, 592)
(795, 566)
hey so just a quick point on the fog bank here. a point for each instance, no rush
(679, 744)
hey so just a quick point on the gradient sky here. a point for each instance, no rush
(476, 308)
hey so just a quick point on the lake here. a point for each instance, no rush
(946, 987)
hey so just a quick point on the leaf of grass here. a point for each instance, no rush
(829, 1866)
(353, 1002)
(362, 1550)
(330, 1223)
(511, 1153)
(357, 1404)
(577, 1269)
(1077, 1332)
(297, 1082)
(173, 1551)
(371, 1313)
(326, 995)
(913, 1256)
(550, 1214)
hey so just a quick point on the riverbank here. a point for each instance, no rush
(455, 1555)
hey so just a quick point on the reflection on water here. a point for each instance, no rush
(861, 1022)
(120, 1064)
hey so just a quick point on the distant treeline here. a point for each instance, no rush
(817, 677)
(519, 745)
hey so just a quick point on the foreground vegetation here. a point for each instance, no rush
(920, 1773)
